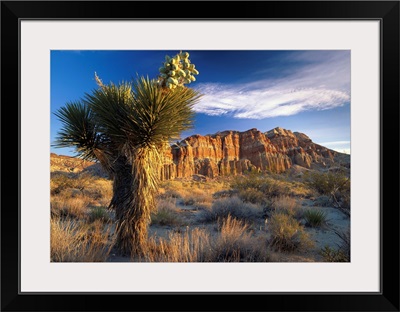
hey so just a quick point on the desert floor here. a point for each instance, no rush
(263, 218)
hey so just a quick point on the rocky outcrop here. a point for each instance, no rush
(230, 153)
(62, 163)
(68, 164)
(234, 152)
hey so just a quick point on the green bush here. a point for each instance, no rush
(99, 213)
(335, 184)
(252, 195)
(315, 217)
(165, 216)
(287, 234)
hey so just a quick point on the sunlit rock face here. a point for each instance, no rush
(234, 152)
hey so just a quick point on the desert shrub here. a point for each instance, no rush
(188, 201)
(71, 241)
(299, 189)
(202, 206)
(60, 181)
(196, 197)
(190, 192)
(344, 245)
(259, 182)
(259, 188)
(196, 193)
(171, 189)
(165, 216)
(224, 194)
(172, 193)
(293, 187)
(232, 206)
(330, 254)
(287, 234)
(167, 203)
(252, 195)
(99, 213)
(236, 243)
(285, 204)
(315, 217)
(166, 213)
(335, 184)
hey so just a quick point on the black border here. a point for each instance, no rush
(386, 11)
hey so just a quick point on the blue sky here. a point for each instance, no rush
(305, 91)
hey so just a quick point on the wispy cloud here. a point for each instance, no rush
(318, 85)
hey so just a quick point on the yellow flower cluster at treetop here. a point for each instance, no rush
(177, 71)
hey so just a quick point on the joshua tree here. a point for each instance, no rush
(125, 127)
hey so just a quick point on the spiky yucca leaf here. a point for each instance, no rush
(163, 113)
(111, 104)
(78, 130)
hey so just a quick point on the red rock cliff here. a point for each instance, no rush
(234, 152)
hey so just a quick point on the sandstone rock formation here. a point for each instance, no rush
(231, 153)
(234, 152)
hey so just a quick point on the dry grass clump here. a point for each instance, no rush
(100, 190)
(196, 197)
(287, 204)
(236, 243)
(172, 189)
(190, 193)
(232, 206)
(69, 207)
(72, 241)
(190, 246)
(287, 234)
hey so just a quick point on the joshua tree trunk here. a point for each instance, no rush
(135, 185)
